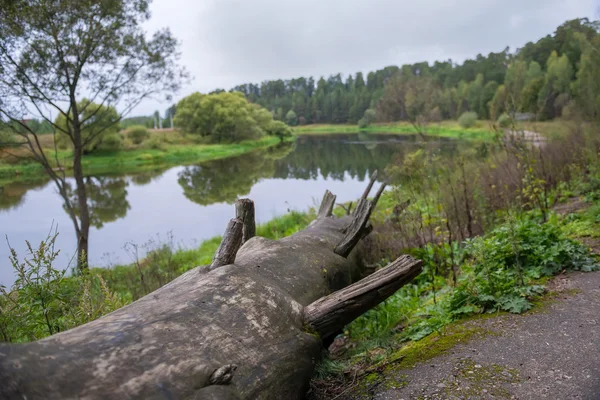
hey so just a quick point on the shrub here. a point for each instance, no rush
(138, 134)
(222, 117)
(156, 142)
(112, 142)
(504, 121)
(291, 118)
(467, 119)
(279, 129)
(368, 118)
(507, 261)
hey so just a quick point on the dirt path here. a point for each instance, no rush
(553, 353)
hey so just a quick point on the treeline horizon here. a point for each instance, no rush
(544, 78)
(538, 78)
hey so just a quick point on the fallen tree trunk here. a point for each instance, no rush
(244, 330)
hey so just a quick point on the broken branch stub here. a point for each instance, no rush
(365, 194)
(331, 313)
(355, 231)
(231, 243)
(369, 186)
(244, 210)
(327, 204)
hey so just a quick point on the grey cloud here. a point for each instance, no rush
(228, 42)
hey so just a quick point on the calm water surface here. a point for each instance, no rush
(195, 202)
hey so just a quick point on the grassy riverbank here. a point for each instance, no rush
(137, 159)
(488, 246)
(481, 131)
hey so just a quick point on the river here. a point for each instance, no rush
(194, 202)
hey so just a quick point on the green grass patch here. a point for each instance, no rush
(450, 129)
(140, 159)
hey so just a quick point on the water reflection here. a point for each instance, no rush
(107, 199)
(194, 201)
(225, 180)
(12, 195)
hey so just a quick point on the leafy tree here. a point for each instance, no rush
(498, 103)
(107, 199)
(475, 93)
(280, 130)
(467, 119)
(99, 132)
(534, 71)
(291, 118)
(462, 87)
(409, 98)
(7, 138)
(489, 90)
(530, 93)
(222, 117)
(557, 81)
(52, 52)
(514, 82)
(368, 118)
(504, 121)
(587, 86)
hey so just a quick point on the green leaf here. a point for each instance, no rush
(514, 304)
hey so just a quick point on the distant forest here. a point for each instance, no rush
(540, 78)
(559, 75)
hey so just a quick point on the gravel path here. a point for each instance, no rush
(553, 353)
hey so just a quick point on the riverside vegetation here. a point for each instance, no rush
(482, 221)
(137, 147)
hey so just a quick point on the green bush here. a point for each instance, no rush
(504, 121)
(368, 118)
(498, 271)
(280, 130)
(467, 119)
(138, 134)
(222, 117)
(112, 142)
(506, 262)
(156, 142)
(291, 118)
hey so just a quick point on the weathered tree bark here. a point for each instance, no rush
(231, 243)
(327, 205)
(363, 198)
(244, 210)
(331, 313)
(236, 332)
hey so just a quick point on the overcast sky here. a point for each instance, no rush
(229, 42)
